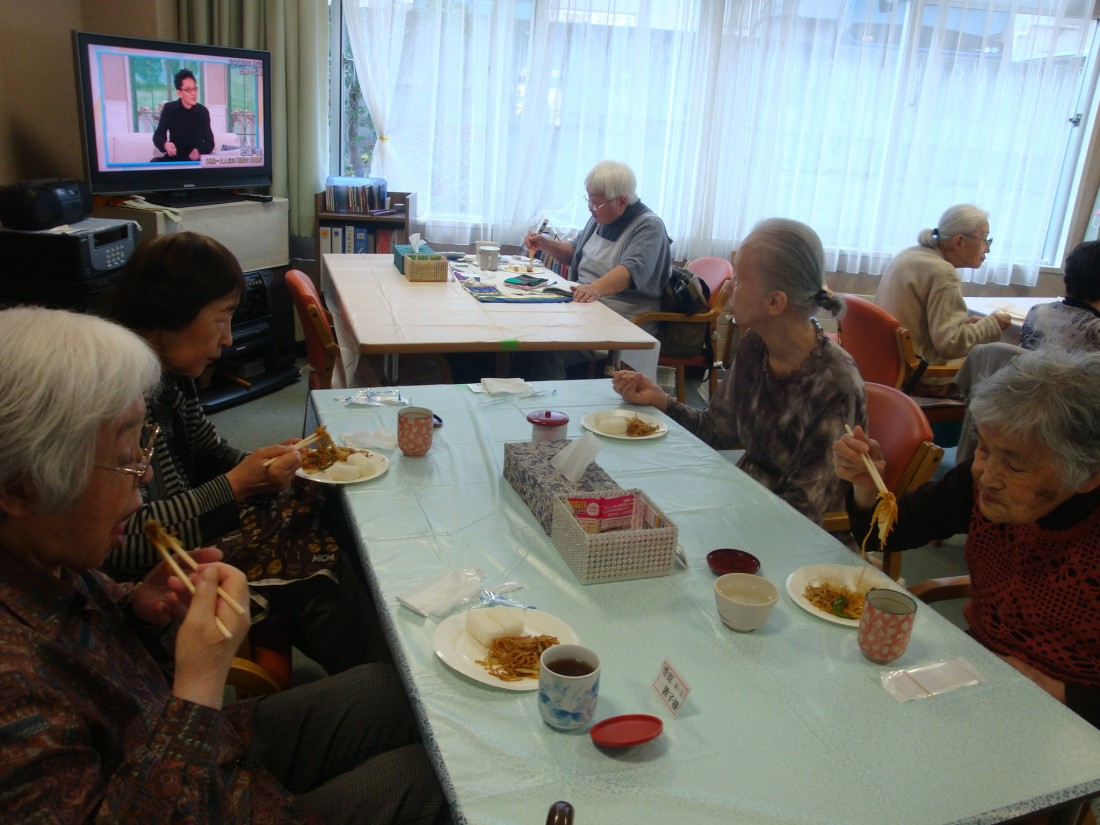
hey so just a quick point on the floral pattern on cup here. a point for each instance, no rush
(886, 624)
(414, 430)
(568, 703)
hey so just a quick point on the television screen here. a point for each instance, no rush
(172, 118)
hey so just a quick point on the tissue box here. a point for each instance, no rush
(420, 267)
(400, 250)
(645, 550)
(527, 468)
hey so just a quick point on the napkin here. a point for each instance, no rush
(373, 440)
(443, 593)
(506, 386)
(574, 459)
(414, 241)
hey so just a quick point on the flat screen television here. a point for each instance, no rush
(132, 106)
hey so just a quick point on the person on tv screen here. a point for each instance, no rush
(183, 132)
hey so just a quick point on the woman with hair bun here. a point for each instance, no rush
(922, 289)
(792, 390)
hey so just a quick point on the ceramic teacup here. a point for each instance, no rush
(744, 600)
(414, 430)
(886, 624)
(569, 682)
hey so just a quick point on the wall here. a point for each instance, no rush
(39, 115)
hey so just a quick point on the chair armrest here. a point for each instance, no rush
(836, 522)
(676, 317)
(938, 590)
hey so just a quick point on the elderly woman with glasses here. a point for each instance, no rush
(1029, 504)
(622, 257)
(179, 292)
(112, 693)
(922, 289)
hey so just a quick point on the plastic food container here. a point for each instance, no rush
(548, 425)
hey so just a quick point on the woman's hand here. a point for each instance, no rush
(1051, 685)
(635, 388)
(203, 654)
(586, 293)
(848, 464)
(161, 598)
(251, 478)
(1003, 318)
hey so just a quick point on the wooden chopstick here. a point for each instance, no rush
(870, 465)
(305, 442)
(194, 565)
(172, 563)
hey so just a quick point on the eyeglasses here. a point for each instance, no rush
(149, 434)
(189, 89)
(987, 241)
(596, 207)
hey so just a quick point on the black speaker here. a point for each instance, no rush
(42, 204)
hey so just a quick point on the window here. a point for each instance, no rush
(863, 118)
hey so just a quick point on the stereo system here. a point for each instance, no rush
(44, 204)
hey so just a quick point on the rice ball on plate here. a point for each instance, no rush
(613, 424)
(488, 623)
(343, 471)
(359, 459)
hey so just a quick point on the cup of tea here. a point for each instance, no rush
(744, 600)
(886, 624)
(414, 430)
(569, 682)
(488, 257)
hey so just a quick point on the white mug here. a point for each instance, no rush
(488, 257)
(569, 682)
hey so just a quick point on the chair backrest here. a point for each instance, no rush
(713, 272)
(901, 428)
(321, 347)
(869, 334)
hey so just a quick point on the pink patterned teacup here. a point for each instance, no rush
(886, 624)
(414, 430)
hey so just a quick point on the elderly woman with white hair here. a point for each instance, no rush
(922, 289)
(622, 257)
(792, 390)
(1029, 504)
(113, 693)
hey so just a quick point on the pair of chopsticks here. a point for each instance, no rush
(305, 442)
(165, 545)
(870, 465)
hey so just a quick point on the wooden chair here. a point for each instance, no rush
(322, 351)
(716, 273)
(899, 425)
(883, 351)
(258, 670)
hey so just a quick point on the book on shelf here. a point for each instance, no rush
(326, 238)
(362, 240)
(338, 238)
(383, 240)
(353, 194)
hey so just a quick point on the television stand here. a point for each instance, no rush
(183, 198)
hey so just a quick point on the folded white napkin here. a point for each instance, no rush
(506, 386)
(572, 461)
(373, 440)
(443, 593)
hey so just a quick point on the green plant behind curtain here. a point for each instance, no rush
(296, 34)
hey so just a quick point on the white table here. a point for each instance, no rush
(785, 725)
(377, 311)
(1017, 307)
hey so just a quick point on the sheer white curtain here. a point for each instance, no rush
(863, 118)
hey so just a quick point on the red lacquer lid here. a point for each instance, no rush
(624, 731)
(548, 418)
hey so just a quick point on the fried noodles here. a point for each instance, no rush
(835, 600)
(635, 427)
(886, 513)
(325, 454)
(512, 658)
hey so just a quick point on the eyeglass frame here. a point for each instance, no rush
(594, 208)
(192, 89)
(146, 460)
(987, 241)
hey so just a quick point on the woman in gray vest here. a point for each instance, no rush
(622, 257)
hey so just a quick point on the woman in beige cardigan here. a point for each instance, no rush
(922, 289)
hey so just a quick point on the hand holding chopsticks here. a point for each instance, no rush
(305, 442)
(870, 465)
(166, 545)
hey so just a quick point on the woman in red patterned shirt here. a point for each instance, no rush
(1029, 502)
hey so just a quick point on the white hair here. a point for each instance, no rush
(62, 375)
(960, 219)
(612, 179)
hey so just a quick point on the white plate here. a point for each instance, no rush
(843, 574)
(377, 466)
(458, 649)
(592, 422)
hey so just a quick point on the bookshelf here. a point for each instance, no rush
(396, 226)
